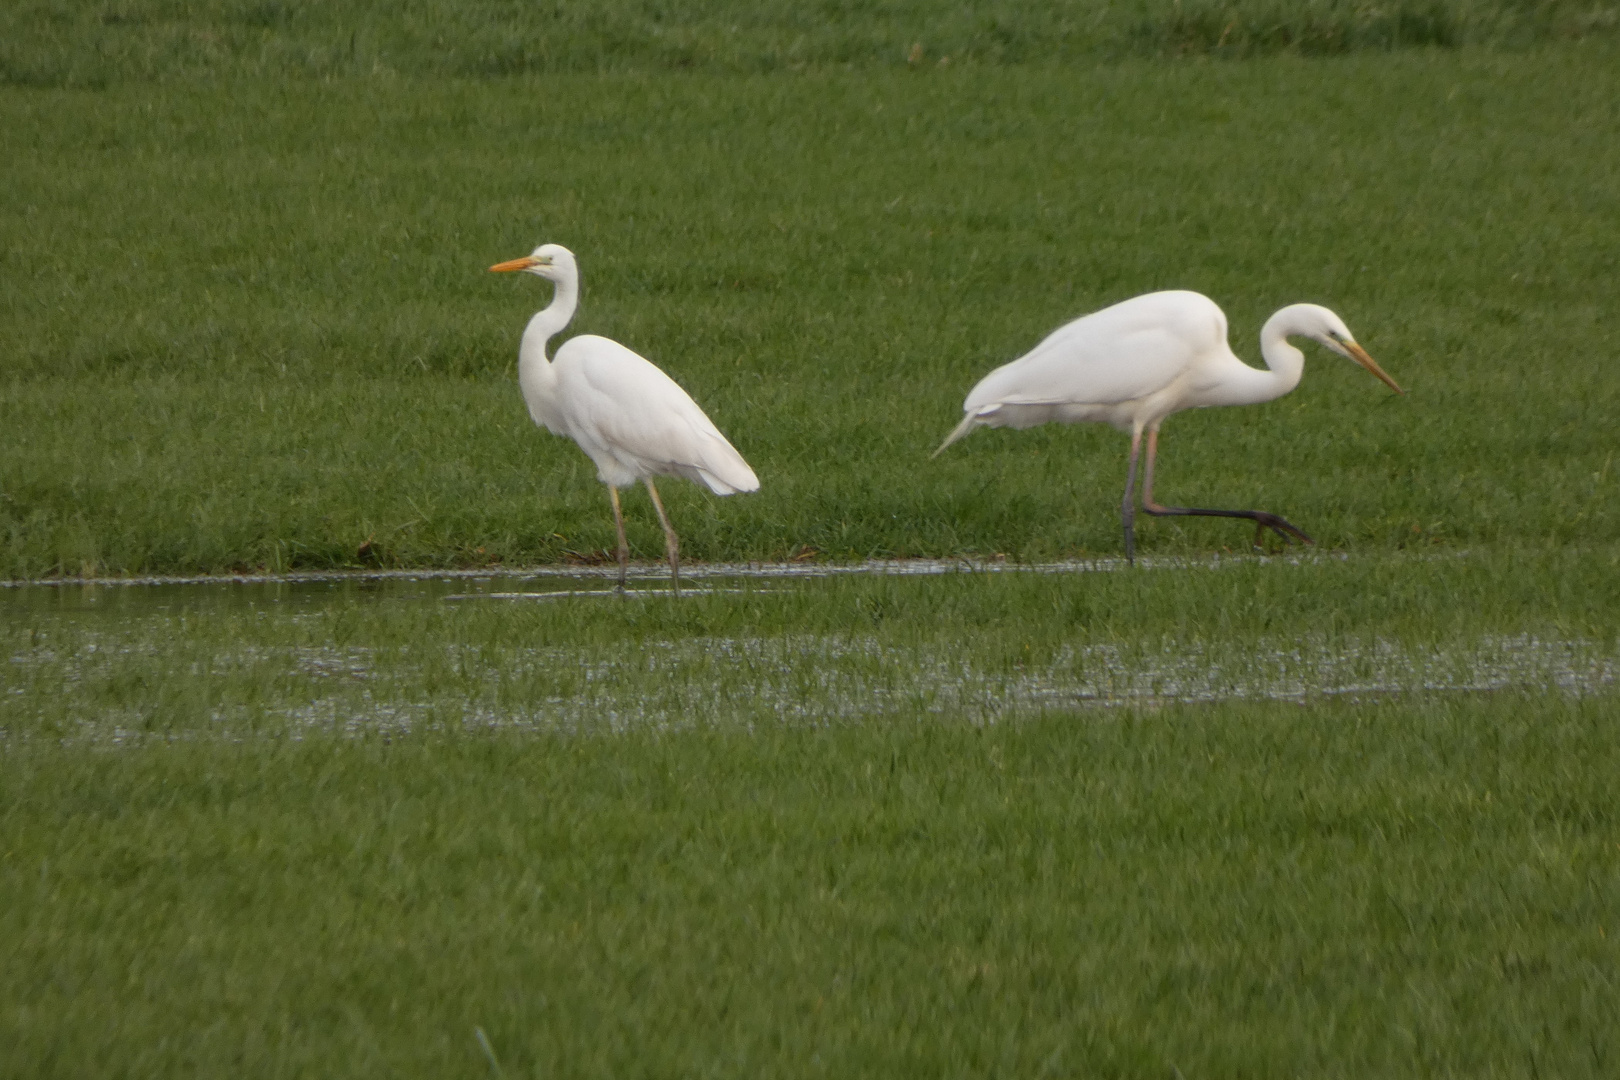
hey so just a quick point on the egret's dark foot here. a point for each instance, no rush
(1264, 521)
(1130, 546)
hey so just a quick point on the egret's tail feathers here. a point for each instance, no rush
(735, 485)
(723, 470)
(961, 429)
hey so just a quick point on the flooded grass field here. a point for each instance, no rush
(1230, 816)
(751, 644)
(1319, 815)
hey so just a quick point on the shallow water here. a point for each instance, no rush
(324, 585)
(318, 587)
(318, 591)
(124, 660)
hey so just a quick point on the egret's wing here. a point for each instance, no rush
(1084, 373)
(1119, 354)
(622, 404)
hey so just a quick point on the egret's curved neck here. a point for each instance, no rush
(549, 321)
(1285, 362)
(536, 377)
(1240, 384)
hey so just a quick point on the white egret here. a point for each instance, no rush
(1133, 364)
(627, 415)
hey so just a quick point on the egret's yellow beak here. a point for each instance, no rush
(1359, 355)
(515, 264)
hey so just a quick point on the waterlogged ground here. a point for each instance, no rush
(1317, 815)
(798, 643)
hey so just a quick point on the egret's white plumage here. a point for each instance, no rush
(630, 418)
(1133, 364)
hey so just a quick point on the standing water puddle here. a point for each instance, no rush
(118, 660)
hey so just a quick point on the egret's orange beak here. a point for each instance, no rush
(1356, 352)
(529, 260)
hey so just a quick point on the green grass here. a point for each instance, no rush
(1335, 890)
(265, 308)
(1349, 814)
(59, 43)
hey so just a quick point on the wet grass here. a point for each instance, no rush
(846, 826)
(264, 309)
(1419, 888)
(1209, 818)
(100, 666)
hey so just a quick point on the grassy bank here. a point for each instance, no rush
(1415, 889)
(249, 325)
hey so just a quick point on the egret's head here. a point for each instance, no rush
(1320, 324)
(551, 261)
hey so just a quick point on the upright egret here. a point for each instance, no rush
(626, 414)
(1133, 364)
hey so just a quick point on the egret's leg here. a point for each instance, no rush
(1261, 519)
(624, 548)
(671, 543)
(1127, 509)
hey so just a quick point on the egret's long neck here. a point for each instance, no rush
(535, 375)
(549, 321)
(1240, 384)
(1285, 363)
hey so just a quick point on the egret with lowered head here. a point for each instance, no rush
(627, 415)
(1133, 364)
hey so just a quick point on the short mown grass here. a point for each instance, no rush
(252, 328)
(812, 828)
(1341, 889)
(1345, 813)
